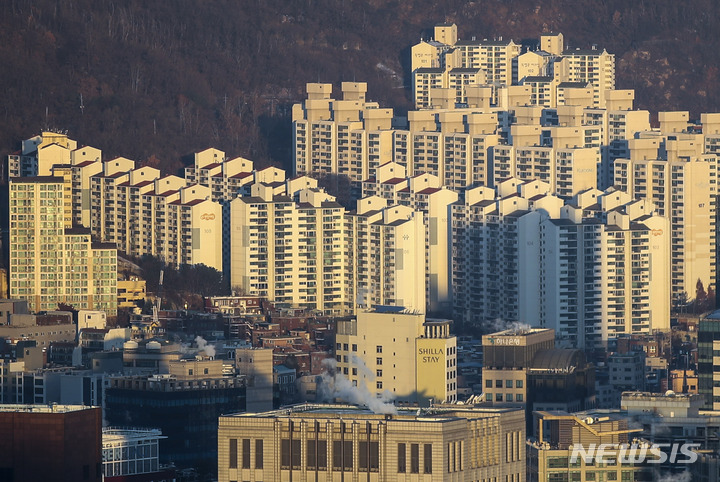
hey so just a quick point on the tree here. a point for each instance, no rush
(700, 296)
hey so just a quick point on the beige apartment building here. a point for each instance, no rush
(339, 136)
(423, 193)
(50, 264)
(340, 442)
(398, 355)
(672, 172)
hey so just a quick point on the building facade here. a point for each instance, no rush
(398, 355)
(50, 264)
(307, 441)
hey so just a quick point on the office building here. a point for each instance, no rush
(708, 375)
(50, 442)
(184, 408)
(309, 441)
(522, 367)
(550, 451)
(133, 454)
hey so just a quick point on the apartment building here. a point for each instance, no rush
(448, 443)
(582, 268)
(331, 136)
(674, 174)
(386, 247)
(398, 355)
(50, 264)
(422, 193)
(146, 213)
(591, 66)
(290, 252)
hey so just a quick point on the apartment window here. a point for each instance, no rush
(498, 397)
(508, 383)
(354, 347)
(258, 454)
(414, 458)
(378, 349)
(378, 361)
(233, 453)
(246, 453)
(354, 371)
(488, 383)
(498, 383)
(427, 458)
(378, 373)
(519, 397)
(401, 458)
(518, 383)
(379, 385)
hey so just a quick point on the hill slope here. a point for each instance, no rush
(158, 80)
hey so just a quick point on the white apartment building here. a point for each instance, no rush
(333, 136)
(589, 269)
(290, 252)
(144, 213)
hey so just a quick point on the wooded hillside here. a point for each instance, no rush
(155, 81)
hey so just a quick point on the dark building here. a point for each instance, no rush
(185, 410)
(50, 442)
(708, 341)
(561, 379)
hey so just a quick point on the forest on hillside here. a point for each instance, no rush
(156, 81)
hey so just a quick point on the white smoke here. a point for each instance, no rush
(203, 345)
(498, 324)
(670, 477)
(335, 386)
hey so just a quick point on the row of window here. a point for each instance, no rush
(499, 383)
(508, 397)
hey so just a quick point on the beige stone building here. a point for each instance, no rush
(335, 442)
